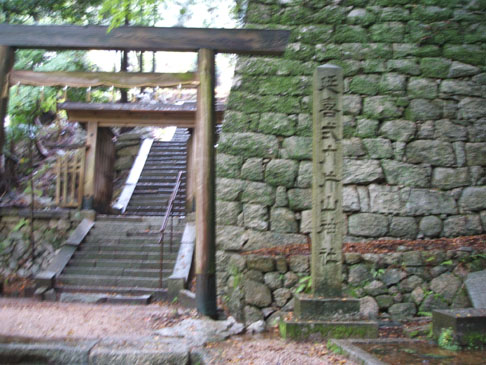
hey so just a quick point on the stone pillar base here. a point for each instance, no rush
(319, 330)
(308, 307)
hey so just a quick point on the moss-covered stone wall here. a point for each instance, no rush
(414, 114)
(414, 124)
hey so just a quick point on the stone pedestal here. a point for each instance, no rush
(468, 325)
(326, 313)
(319, 318)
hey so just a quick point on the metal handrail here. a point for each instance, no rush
(168, 213)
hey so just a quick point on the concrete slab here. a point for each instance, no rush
(468, 325)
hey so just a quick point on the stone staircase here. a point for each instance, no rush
(121, 255)
(158, 177)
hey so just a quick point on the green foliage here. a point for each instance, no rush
(304, 285)
(447, 341)
(334, 348)
(378, 273)
(22, 222)
(133, 12)
(236, 276)
(447, 263)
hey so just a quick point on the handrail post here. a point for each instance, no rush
(168, 213)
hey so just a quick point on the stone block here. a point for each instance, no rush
(435, 67)
(393, 276)
(273, 280)
(467, 53)
(367, 128)
(361, 171)
(228, 165)
(468, 325)
(229, 189)
(231, 237)
(306, 221)
(424, 109)
(227, 212)
(258, 193)
(448, 178)
(299, 263)
(392, 82)
(429, 202)
(281, 199)
(307, 307)
(471, 108)
(300, 199)
(353, 147)
(281, 296)
(435, 153)
(403, 227)
(447, 131)
(255, 216)
(257, 294)
(283, 220)
(384, 199)
(304, 178)
(298, 148)
(331, 329)
(368, 225)
(350, 199)
(260, 263)
(252, 169)
(422, 88)
(364, 84)
(375, 288)
(378, 148)
(405, 66)
(476, 154)
(402, 310)
(430, 226)
(459, 69)
(473, 198)
(381, 107)
(398, 130)
(351, 104)
(446, 285)
(277, 124)
(388, 32)
(248, 145)
(400, 173)
(462, 225)
(281, 172)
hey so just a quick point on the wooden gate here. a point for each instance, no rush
(70, 178)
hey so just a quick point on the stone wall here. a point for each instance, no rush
(414, 114)
(398, 285)
(51, 229)
(414, 123)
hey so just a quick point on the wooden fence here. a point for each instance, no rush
(70, 178)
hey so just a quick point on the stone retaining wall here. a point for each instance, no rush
(398, 285)
(414, 121)
(51, 229)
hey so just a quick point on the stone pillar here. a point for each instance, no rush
(325, 313)
(327, 157)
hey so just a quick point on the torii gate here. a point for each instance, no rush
(207, 42)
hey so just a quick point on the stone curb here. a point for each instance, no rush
(123, 350)
(356, 354)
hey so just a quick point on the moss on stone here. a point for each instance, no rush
(389, 32)
(435, 67)
(350, 33)
(367, 85)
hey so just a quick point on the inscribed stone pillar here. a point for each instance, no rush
(327, 156)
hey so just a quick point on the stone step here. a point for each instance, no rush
(110, 281)
(115, 271)
(108, 298)
(124, 255)
(156, 293)
(154, 248)
(127, 264)
(136, 239)
(155, 208)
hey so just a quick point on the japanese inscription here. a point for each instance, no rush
(327, 183)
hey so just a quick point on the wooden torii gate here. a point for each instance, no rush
(206, 42)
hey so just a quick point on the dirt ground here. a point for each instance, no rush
(30, 318)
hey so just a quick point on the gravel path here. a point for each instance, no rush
(53, 320)
(29, 318)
